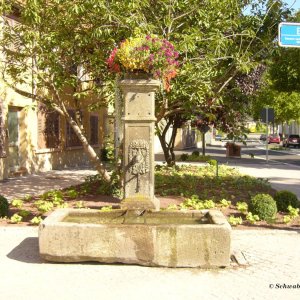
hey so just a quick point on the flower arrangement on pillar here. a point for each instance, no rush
(147, 55)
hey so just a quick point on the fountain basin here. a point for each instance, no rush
(165, 238)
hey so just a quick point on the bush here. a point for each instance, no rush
(284, 199)
(264, 206)
(184, 157)
(3, 207)
(212, 162)
(196, 153)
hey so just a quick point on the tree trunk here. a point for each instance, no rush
(167, 155)
(168, 146)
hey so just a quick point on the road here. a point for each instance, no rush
(258, 149)
(286, 156)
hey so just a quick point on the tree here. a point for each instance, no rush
(61, 47)
(281, 83)
(219, 47)
(56, 55)
(284, 67)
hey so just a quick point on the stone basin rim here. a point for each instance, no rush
(215, 217)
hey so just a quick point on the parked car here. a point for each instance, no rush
(291, 140)
(273, 138)
(263, 137)
(218, 137)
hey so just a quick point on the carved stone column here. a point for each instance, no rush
(138, 143)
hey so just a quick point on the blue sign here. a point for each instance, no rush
(289, 34)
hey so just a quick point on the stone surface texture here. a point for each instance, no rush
(138, 145)
(168, 245)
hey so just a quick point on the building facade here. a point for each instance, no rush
(33, 138)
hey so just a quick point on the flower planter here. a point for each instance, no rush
(233, 150)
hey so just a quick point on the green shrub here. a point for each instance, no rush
(212, 162)
(72, 193)
(184, 157)
(3, 206)
(196, 153)
(242, 207)
(18, 203)
(264, 206)
(225, 203)
(15, 219)
(24, 213)
(234, 221)
(284, 199)
(36, 220)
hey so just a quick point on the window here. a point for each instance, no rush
(94, 130)
(48, 128)
(71, 139)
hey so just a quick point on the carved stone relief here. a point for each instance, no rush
(138, 159)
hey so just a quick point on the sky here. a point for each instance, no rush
(294, 3)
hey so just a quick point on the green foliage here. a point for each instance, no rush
(293, 214)
(113, 187)
(225, 203)
(284, 199)
(27, 198)
(62, 205)
(188, 180)
(242, 207)
(194, 157)
(16, 219)
(36, 220)
(212, 162)
(287, 219)
(24, 213)
(72, 193)
(281, 85)
(43, 206)
(196, 153)
(55, 196)
(264, 206)
(108, 152)
(18, 203)
(79, 204)
(195, 203)
(172, 207)
(234, 221)
(184, 157)
(3, 206)
(217, 50)
(106, 208)
(252, 218)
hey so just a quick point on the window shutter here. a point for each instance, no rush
(48, 129)
(41, 127)
(2, 132)
(94, 130)
(51, 131)
(72, 140)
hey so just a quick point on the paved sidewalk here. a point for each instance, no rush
(273, 258)
(42, 182)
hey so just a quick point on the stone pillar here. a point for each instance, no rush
(138, 142)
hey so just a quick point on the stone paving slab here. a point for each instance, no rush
(273, 257)
(42, 182)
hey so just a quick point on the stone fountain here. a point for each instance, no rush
(138, 233)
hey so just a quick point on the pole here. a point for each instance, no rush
(203, 143)
(267, 134)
